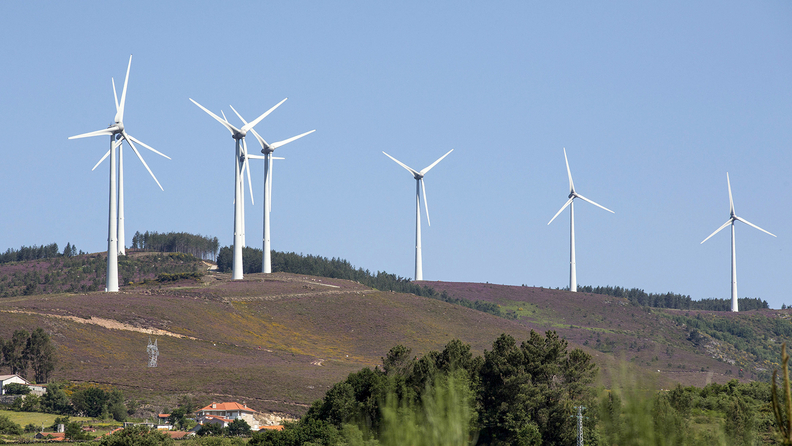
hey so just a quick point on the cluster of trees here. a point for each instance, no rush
(748, 335)
(82, 400)
(514, 395)
(289, 262)
(196, 245)
(674, 301)
(37, 252)
(25, 351)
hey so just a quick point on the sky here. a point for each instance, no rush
(654, 102)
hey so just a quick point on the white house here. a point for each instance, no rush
(9, 379)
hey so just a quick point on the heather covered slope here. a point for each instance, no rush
(277, 341)
(693, 347)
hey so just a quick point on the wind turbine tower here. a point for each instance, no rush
(732, 218)
(419, 187)
(572, 195)
(268, 149)
(240, 162)
(118, 135)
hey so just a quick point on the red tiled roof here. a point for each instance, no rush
(279, 427)
(233, 406)
(178, 435)
(215, 417)
(164, 415)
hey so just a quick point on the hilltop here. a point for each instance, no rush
(279, 341)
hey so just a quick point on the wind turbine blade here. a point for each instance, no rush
(247, 168)
(595, 204)
(718, 230)
(286, 141)
(250, 125)
(100, 161)
(225, 123)
(753, 225)
(411, 170)
(115, 95)
(427, 169)
(123, 93)
(426, 203)
(238, 115)
(96, 133)
(141, 160)
(278, 158)
(147, 146)
(731, 201)
(257, 157)
(569, 173)
(561, 210)
(115, 146)
(264, 144)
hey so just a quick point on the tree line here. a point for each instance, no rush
(199, 246)
(675, 301)
(289, 262)
(25, 351)
(36, 252)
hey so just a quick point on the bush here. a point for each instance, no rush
(8, 427)
(16, 389)
(137, 436)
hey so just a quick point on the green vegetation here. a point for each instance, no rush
(514, 394)
(754, 338)
(23, 350)
(672, 300)
(8, 427)
(136, 436)
(783, 411)
(195, 245)
(88, 400)
(342, 269)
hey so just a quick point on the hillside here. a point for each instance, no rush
(279, 341)
(693, 347)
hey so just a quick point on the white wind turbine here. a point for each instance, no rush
(240, 162)
(732, 218)
(267, 149)
(419, 187)
(571, 204)
(117, 135)
(120, 240)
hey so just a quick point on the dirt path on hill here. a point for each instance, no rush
(107, 323)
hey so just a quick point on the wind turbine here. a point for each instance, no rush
(572, 195)
(120, 227)
(240, 162)
(419, 187)
(118, 135)
(267, 149)
(732, 218)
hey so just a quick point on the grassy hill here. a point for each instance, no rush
(279, 341)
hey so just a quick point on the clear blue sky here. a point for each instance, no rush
(654, 102)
